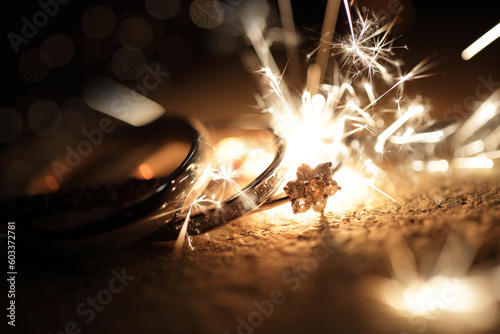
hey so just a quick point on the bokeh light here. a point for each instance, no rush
(98, 22)
(162, 9)
(44, 118)
(127, 62)
(57, 50)
(31, 67)
(206, 14)
(135, 32)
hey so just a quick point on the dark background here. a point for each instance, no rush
(441, 29)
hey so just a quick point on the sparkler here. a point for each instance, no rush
(340, 116)
(353, 111)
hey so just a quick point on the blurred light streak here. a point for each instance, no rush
(480, 117)
(382, 138)
(481, 43)
(461, 163)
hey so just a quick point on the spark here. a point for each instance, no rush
(382, 138)
(481, 116)
(182, 234)
(366, 116)
(481, 43)
(470, 149)
(425, 137)
(369, 91)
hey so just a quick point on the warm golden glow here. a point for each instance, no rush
(240, 161)
(449, 297)
(51, 183)
(353, 112)
(146, 172)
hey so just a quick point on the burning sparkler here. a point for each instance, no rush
(340, 117)
(353, 111)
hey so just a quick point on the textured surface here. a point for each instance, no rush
(312, 266)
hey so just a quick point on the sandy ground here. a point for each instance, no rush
(265, 275)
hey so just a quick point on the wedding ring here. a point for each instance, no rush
(60, 222)
(250, 198)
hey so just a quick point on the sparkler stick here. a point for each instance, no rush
(331, 14)
(313, 78)
(290, 37)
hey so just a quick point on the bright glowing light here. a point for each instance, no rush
(363, 113)
(434, 166)
(481, 43)
(461, 163)
(353, 111)
(318, 102)
(417, 165)
(369, 91)
(231, 148)
(341, 102)
(449, 298)
(236, 162)
(441, 293)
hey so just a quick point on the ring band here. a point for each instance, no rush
(130, 223)
(158, 215)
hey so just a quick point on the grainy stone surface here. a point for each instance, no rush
(313, 266)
